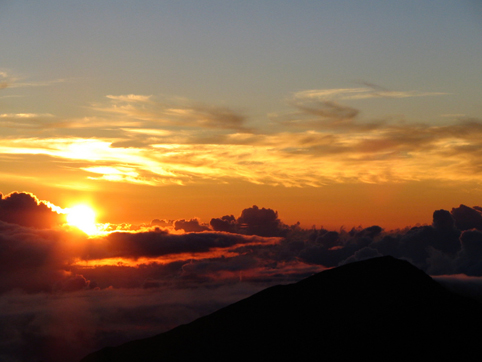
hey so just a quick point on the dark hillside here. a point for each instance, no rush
(381, 308)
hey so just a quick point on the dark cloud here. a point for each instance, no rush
(443, 220)
(160, 243)
(226, 223)
(43, 260)
(469, 259)
(467, 218)
(221, 268)
(72, 283)
(262, 222)
(25, 209)
(252, 221)
(328, 239)
(162, 223)
(37, 260)
(192, 225)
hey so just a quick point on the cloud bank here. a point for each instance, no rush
(65, 294)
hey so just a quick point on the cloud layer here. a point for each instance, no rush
(143, 139)
(74, 293)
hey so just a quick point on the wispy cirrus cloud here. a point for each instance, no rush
(12, 81)
(4, 80)
(322, 109)
(178, 113)
(143, 140)
(388, 153)
(26, 120)
(373, 91)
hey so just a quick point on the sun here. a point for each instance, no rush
(83, 218)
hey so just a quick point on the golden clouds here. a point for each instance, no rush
(143, 140)
(391, 153)
(177, 112)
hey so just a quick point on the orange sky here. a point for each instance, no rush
(336, 115)
(390, 206)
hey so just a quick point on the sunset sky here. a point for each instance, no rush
(187, 138)
(330, 112)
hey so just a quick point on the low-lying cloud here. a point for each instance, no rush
(73, 293)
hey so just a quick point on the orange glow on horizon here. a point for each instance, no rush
(133, 263)
(166, 259)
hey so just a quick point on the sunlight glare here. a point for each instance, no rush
(83, 218)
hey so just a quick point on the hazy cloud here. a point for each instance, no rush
(65, 328)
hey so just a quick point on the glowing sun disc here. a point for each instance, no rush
(83, 218)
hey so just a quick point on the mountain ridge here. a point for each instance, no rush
(382, 307)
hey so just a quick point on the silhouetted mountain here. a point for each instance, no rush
(380, 309)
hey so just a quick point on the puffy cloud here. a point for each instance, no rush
(467, 218)
(46, 260)
(162, 223)
(263, 222)
(226, 223)
(25, 209)
(252, 221)
(443, 220)
(192, 225)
